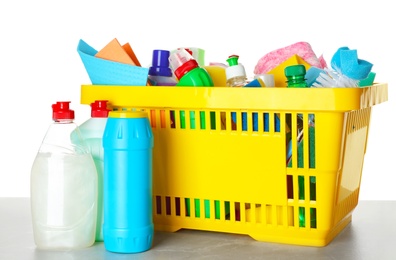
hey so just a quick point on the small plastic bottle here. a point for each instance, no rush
(187, 70)
(63, 186)
(128, 215)
(295, 75)
(235, 73)
(92, 131)
(160, 74)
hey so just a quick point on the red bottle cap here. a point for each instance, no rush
(99, 108)
(182, 62)
(185, 68)
(61, 110)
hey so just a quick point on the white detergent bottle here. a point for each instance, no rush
(92, 131)
(63, 186)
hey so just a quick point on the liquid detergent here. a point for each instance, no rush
(63, 186)
(92, 131)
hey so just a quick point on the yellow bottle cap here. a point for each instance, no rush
(127, 114)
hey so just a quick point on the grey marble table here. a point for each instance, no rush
(370, 235)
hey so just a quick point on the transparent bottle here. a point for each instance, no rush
(235, 73)
(63, 186)
(92, 131)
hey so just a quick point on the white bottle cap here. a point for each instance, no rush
(234, 68)
(235, 71)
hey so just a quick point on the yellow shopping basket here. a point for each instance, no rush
(278, 164)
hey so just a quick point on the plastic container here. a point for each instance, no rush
(63, 186)
(248, 169)
(187, 70)
(128, 215)
(160, 74)
(235, 73)
(92, 131)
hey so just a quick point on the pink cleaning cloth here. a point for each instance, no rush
(276, 57)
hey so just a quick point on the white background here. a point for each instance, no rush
(40, 64)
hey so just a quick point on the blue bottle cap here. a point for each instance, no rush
(160, 64)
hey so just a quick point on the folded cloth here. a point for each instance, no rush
(107, 72)
(276, 57)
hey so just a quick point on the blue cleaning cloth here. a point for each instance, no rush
(346, 61)
(106, 72)
(254, 84)
(312, 74)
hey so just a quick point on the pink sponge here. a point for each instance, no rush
(276, 57)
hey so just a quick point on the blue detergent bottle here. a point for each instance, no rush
(128, 219)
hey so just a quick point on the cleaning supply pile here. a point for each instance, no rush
(293, 66)
(117, 64)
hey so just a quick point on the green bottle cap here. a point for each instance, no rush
(295, 75)
(295, 70)
(233, 60)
